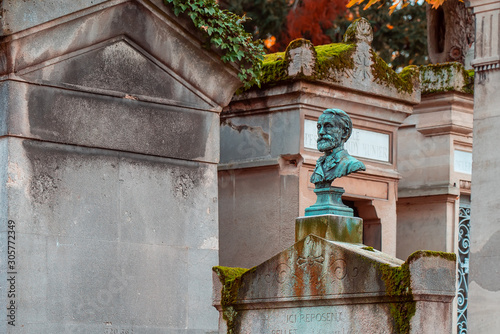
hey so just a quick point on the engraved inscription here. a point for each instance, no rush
(308, 322)
(313, 317)
(363, 67)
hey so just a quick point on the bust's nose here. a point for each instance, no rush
(321, 130)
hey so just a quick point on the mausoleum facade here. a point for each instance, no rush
(416, 146)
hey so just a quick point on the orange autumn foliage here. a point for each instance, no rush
(310, 20)
(401, 3)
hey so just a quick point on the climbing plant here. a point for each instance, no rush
(225, 31)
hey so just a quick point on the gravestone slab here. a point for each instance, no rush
(321, 286)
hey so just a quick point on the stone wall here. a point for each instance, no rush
(110, 145)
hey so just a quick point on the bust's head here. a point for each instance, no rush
(334, 129)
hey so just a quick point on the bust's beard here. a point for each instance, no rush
(327, 143)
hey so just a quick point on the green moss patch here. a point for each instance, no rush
(438, 78)
(398, 284)
(385, 75)
(231, 283)
(274, 68)
(427, 253)
(368, 248)
(331, 59)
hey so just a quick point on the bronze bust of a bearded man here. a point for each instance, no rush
(334, 129)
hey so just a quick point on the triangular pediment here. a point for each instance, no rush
(118, 67)
(317, 267)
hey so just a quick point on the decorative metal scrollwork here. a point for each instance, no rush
(463, 268)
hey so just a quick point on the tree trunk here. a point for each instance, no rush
(450, 32)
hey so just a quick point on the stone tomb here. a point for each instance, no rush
(109, 142)
(329, 287)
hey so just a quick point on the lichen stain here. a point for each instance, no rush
(185, 181)
(309, 267)
(439, 78)
(252, 129)
(398, 284)
(42, 188)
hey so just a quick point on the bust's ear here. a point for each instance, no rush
(345, 133)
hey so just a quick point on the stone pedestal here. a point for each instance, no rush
(330, 227)
(329, 218)
(329, 201)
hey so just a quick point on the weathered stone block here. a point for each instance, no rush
(330, 227)
(102, 236)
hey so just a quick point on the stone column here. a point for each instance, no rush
(484, 286)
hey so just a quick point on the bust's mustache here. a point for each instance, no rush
(324, 137)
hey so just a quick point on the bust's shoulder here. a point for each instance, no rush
(352, 163)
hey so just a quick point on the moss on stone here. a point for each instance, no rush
(469, 87)
(368, 248)
(350, 33)
(385, 75)
(274, 69)
(398, 284)
(333, 59)
(427, 253)
(438, 78)
(231, 283)
(297, 43)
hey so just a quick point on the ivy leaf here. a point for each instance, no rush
(225, 32)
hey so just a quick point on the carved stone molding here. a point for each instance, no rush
(487, 48)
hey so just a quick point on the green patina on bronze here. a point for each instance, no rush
(442, 76)
(231, 283)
